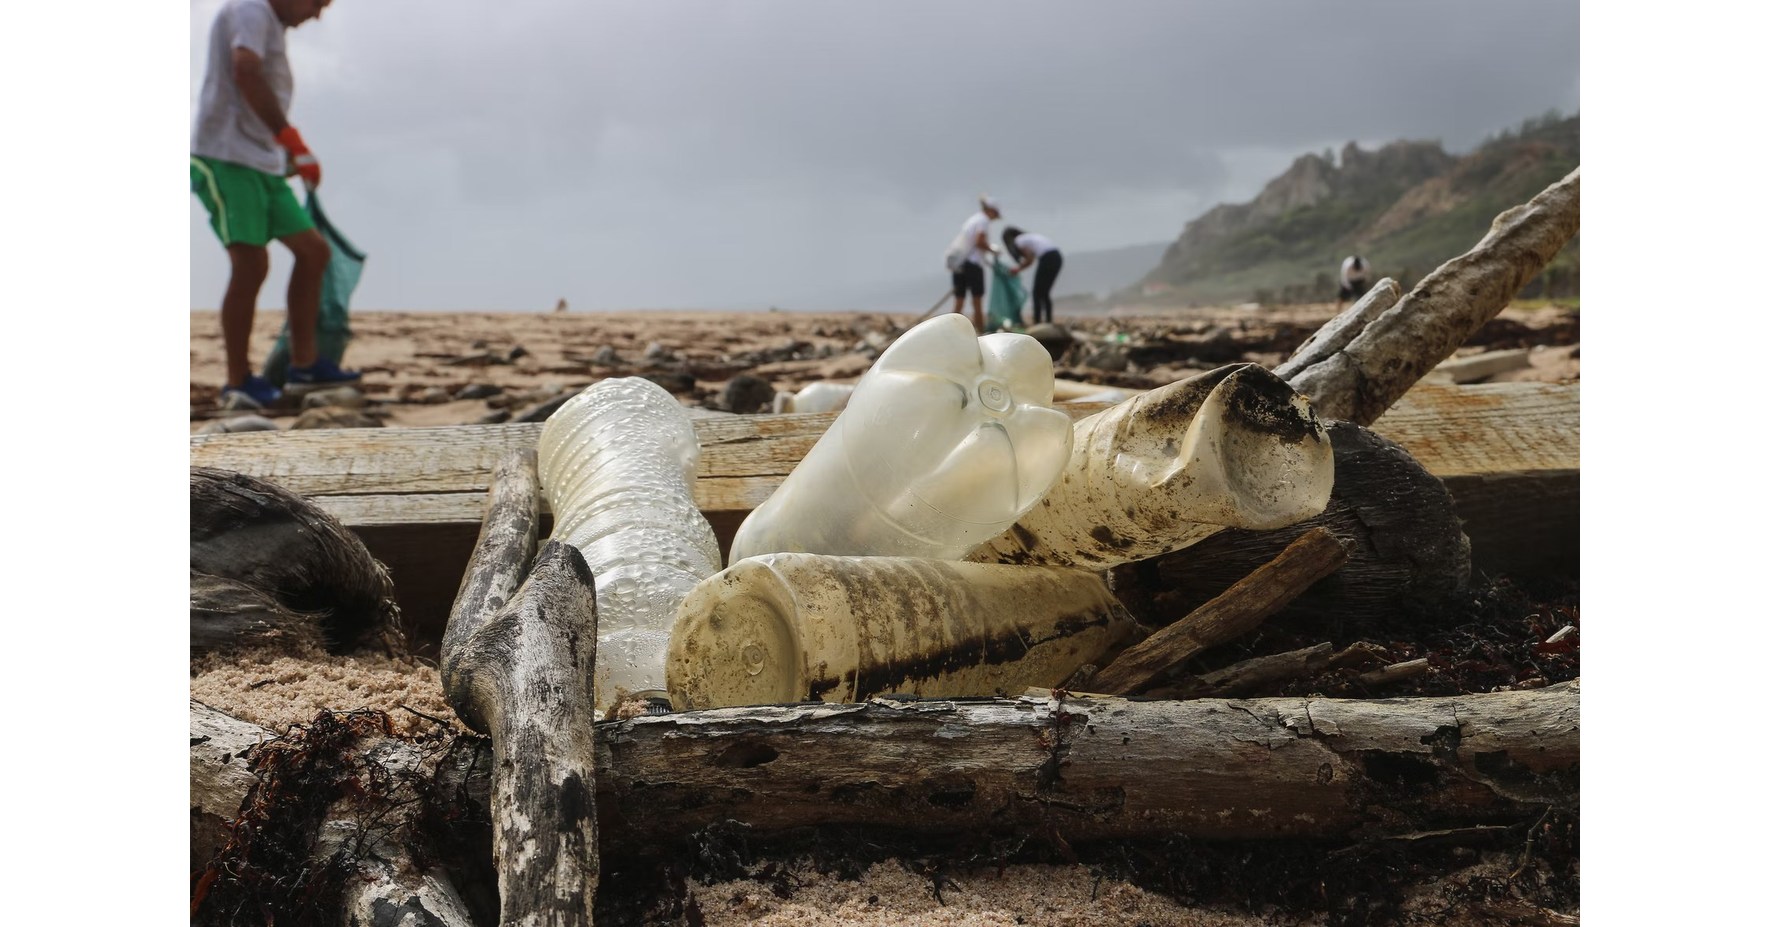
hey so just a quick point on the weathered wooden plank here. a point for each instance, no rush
(1454, 431)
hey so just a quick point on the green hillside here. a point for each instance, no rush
(1407, 207)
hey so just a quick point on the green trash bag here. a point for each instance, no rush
(1006, 297)
(332, 334)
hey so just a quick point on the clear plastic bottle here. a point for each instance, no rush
(1232, 448)
(944, 443)
(794, 627)
(617, 465)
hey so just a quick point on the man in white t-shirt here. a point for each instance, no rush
(241, 144)
(1354, 278)
(965, 256)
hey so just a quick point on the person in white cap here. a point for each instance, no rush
(964, 258)
(1354, 278)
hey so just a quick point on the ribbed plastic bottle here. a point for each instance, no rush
(795, 627)
(1236, 447)
(617, 465)
(945, 441)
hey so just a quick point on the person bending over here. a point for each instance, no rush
(1025, 248)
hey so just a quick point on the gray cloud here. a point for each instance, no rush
(730, 154)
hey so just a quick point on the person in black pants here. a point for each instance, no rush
(1027, 247)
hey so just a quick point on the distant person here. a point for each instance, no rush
(1025, 248)
(964, 258)
(561, 307)
(242, 148)
(1354, 278)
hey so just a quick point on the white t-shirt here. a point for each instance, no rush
(1349, 275)
(226, 128)
(977, 224)
(1033, 245)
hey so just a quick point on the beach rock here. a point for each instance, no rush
(1055, 338)
(515, 352)
(656, 351)
(348, 397)
(239, 402)
(237, 423)
(431, 396)
(1109, 357)
(478, 391)
(543, 411)
(606, 356)
(494, 417)
(675, 381)
(335, 417)
(745, 394)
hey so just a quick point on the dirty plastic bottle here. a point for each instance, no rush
(617, 465)
(1236, 447)
(795, 627)
(945, 441)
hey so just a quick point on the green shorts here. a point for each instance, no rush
(246, 206)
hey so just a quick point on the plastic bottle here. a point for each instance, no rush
(1232, 448)
(617, 465)
(795, 627)
(821, 396)
(945, 441)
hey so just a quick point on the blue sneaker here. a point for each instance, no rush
(255, 393)
(323, 372)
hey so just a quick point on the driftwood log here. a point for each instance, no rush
(267, 564)
(1092, 768)
(1360, 381)
(387, 886)
(518, 659)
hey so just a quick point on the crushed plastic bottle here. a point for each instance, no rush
(794, 627)
(1235, 447)
(617, 465)
(945, 441)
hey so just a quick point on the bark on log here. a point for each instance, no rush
(523, 674)
(1244, 605)
(1339, 331)
(388, 889)
(1407, 550)
(1104, 768)
(1427, 325)
(252, 533)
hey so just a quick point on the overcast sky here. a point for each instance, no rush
(740, 154)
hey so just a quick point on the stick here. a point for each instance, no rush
(1239, 609)
(1396, 672)
(948, 295)
(1240, 678)
(522, 673)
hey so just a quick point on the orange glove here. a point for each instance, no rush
(305, 163)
